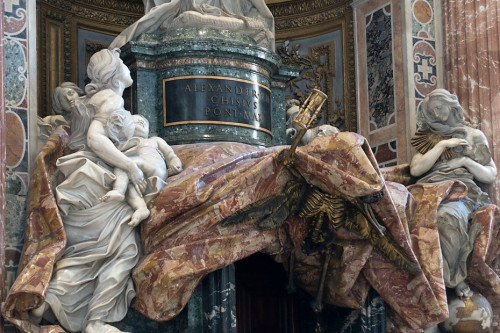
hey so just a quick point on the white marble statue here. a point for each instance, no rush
(64, 100)
(449, 149)
(47, 125)
(291, 132)
(250, 17)
(112, 124)
(91, 284)
(153, 156)
(65, 97)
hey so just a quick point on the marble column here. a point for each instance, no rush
(472, 58)
(3, 158)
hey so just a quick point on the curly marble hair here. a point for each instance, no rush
(103, 70)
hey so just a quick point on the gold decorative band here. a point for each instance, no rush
(214, 122)
(214, 77)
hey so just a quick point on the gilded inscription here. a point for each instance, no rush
(216, 99)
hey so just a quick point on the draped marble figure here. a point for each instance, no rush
(91, 284)
(251, 17)
(65, 99)
(447, 149)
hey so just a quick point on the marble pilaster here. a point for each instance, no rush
(399, 61)
(16, 17)
(472, 57)
(380, 79)
(2, 160)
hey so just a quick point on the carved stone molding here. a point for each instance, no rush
(104, 17)
(301, 7)
(305, 18)
(127, 6)
(54, 56)
(60, 4)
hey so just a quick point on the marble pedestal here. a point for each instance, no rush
(197, 85)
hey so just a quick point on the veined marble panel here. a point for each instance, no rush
(386, 153)
(380, 68)
(424, 68)
(398, 62)
(17, 108)
(423, 20)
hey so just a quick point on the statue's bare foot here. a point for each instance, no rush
(463, 290)
(112, 195)
(98, 326)
(37, 314)
(138, 216)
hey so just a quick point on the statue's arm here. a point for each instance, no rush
(486, 173)
(173, 162)
(99, 142)
(103, 147)
(421, 163)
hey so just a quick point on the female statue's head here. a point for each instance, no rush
(440, 112)
(107, 71)
(64, 96)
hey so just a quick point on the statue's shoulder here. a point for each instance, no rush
(106, 100)
(475, 135)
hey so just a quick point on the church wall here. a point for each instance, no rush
(398, 63)
(472, 57)
(20, 122)
(317, 37)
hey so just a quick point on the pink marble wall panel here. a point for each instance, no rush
(386, 153)
(472, 58)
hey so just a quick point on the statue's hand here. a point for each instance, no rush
(136, 176)
(456, 163)
(453, 142)
(174, 166)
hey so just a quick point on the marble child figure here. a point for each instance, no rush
(449, 149)
(112, 124)
(153, 156)
(70, 100)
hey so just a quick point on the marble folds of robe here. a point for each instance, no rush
(251, 17)
(183, 239)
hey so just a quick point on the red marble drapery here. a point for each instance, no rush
(472, 62)
(184, 239)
